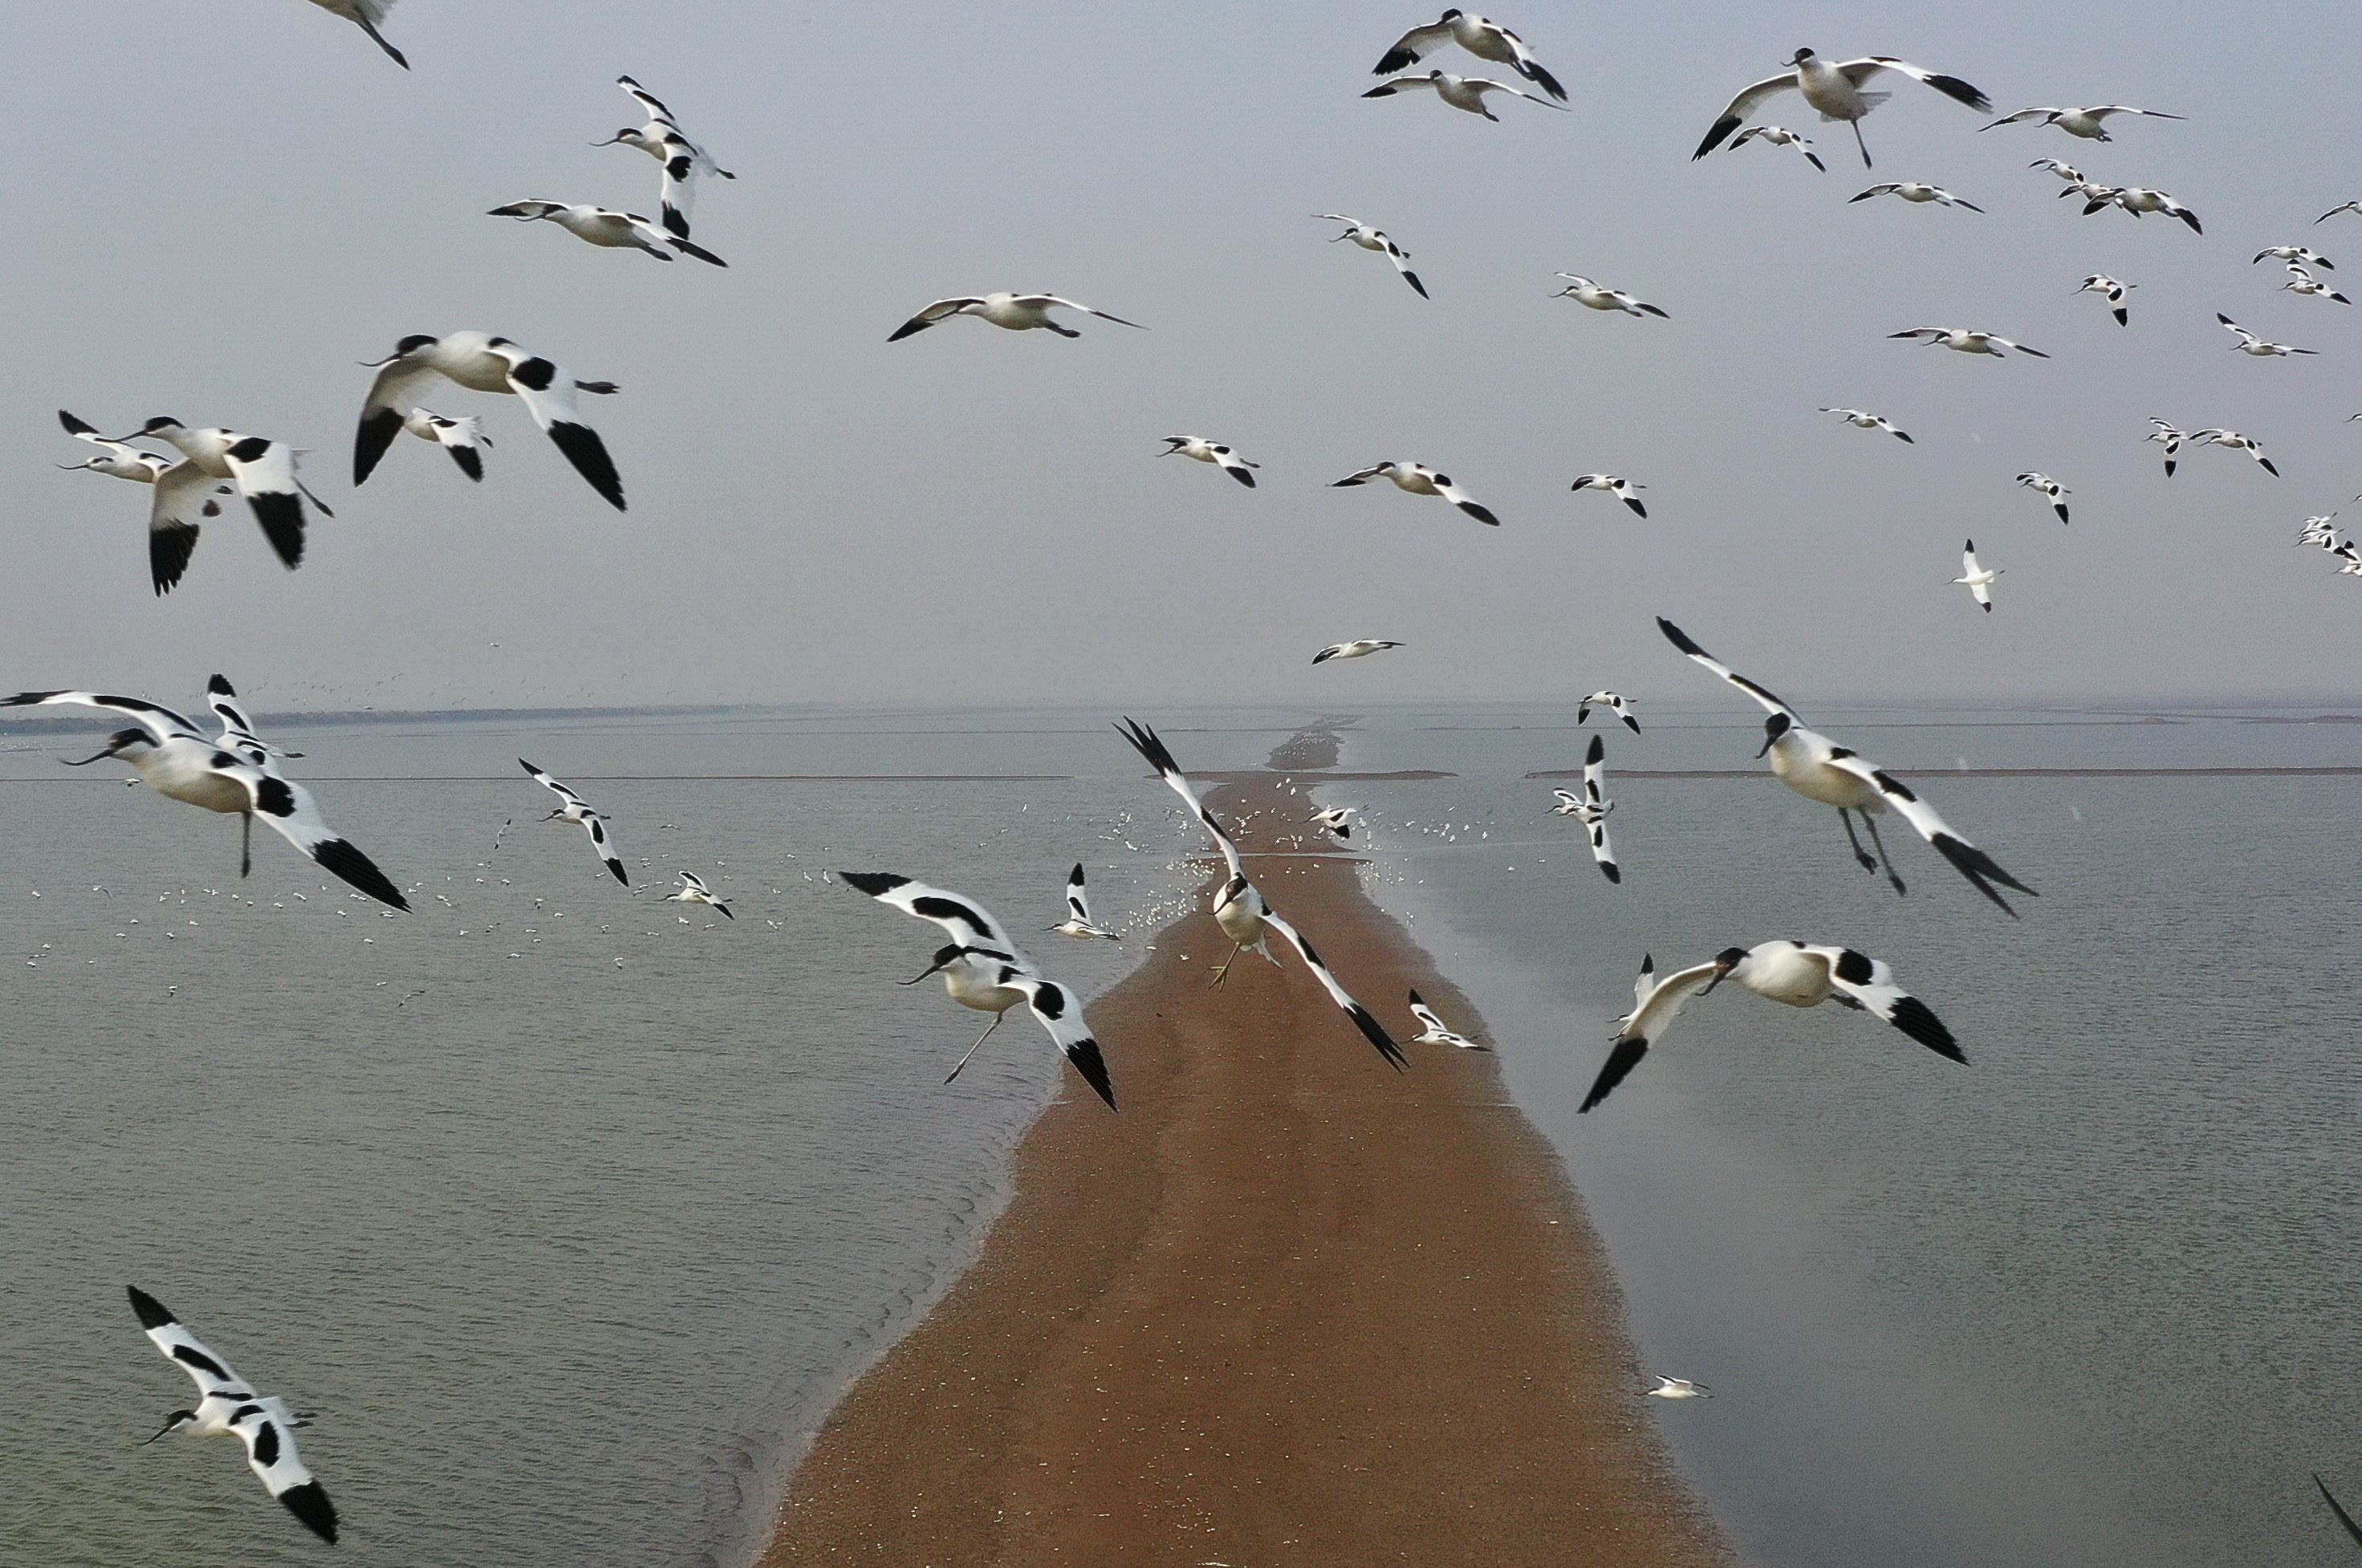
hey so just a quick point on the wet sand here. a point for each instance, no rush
(1288, 1307)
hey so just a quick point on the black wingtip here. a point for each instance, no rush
(1609, 869)
(341, 858)
(1980, 868)
(470, 461)
(871, 882)
(1145, 742)
(1412, 279)
(1619, 1064)
(1722, 128)
(1396, 60)
(617, 867)
(1953, 87)
(1545, 81)
(1243, 477)
(1084, 1055)
(1917, 1019)
(589, 455)
(310, 1504)
(153, 1314)
(1375, 1034)
(282, 517)
(376, 433)
(1597, 753)
(1482, 514)
(1679, 639)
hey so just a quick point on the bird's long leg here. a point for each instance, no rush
(1224, 972)
(1859, 143)
(1871, 823)
(245, 843)
(979, 1041)
(1867, 864)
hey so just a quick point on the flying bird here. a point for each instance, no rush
(2171, 438)
(1018, 313)
(172, 515)
(1835, 89)
(573, 807)
(2250, 344)
(1078, 921)
(2046, 485)
(228, 1405)
(1913, 191)
(692, 891)
(601, 225)
(2136, 200)
(366, 14)
(483, 363)
(683, 160)
(1614, 702)
(2066, 171)
(1370, 238)
(1609, 484)
(1678, 1389)
(1861, 419)
(1418, 479)
(2112, 289)
(2085, 123)
(1437, 1035)
(1460, 92)
(1819, 770)
(2302, 255)
(1361, 649)
(1795, 974)
(262, 470)
(1591, 809)
(2341, 207)
(1479, 35)
(1336, 820)
(175, 759)
(1779, 136)
(1968, 342)
(1213, 452)
(1978, 581)
(460, 437)
(2232, 441)
(2304, 282)
(1586, 292)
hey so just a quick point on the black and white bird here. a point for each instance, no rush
(1375, 239)
(262, 470)
(481, 362)
(2262, 348)
(228, 1405)
(2301, 255)
(172, 525)
(1436, 1033)
(1779, 136)
(2170, 438)
(2341, 207)
(1978, 580)
(237, 731)
(366, 14)
(1914, 191)
(2066, 171)
(460, 437)
(573, 807)
(1615, 702)
(2043, 484)
(1677, 1388)
(2085, 123)
(605, 226)
(1835, 88)
(1479, 35)
(693, 889)
(1610, 484)
(1337, 820)
(1593, 296)
(2113, 290)
(1460, 92)
(2304, 282)
(1418, 479)
(1240, 908)
(683, 160)
(2232, 441)
(983, 969)
(1861, 419)
(1795, 974)
(1213, 452)
(2136, 200)
(173, 757)
(1018, 313)
(1078, 921)
(1592, 806)
(1967, 342)
(1819, 770)
(1361, 649)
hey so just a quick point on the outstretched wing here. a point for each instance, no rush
(1650, 1018)
(1861, 71)
(291, 812)
(932, 314)
(391, 398)
(2334, 1507)
(1062, 1014)
(1412, 46)
(1078, 903)
(1594, 810)
(969, 923)
(1426, 1014)
(1872, 985)
(180, 497)
(1372, 1030)
(269, 1438)
(1144, 741)
(161, 723)
(563, 794)
(548, 393)
(213, 1374)
(646, 100)
(1966, 857)
(264, 472)
(1076, 304)
(1740, 107)
(1361, 475)
(1679, 639)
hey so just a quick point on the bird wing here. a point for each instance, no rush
(1966, 858)
(1332, 651)
(969, 923)
(1062, 1014)
(1460, 499)
(1969, 563)
(460, 437)
(264, 472)
(1870, 983)
(1740, 107)
(1145, 742)
(648, 100)
(1486, 84)
(1885, 189)
(1076, 304)
(1568, 796)
(1861, 71)
(1078, 903)
(268, 1432)
(595, 824)
(1426, 1014)
(391, 398)
(238, 730)
(1409, 49)
(1650, 1017)
(179, 499)
(1679, 639)
(2022, 114)
(1361, 475)
(1521, 58)
(552, 785)
(161, 723)
(695, 883)
(1400, 84)
(548, 390)
(82, 431)
(1594, 771)
(213, 1374)
(1372, 1030)
(934, 314)
(2104, 110)
(288, 809)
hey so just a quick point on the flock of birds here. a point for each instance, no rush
(235, 771)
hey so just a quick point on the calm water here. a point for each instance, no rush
(567, 1218)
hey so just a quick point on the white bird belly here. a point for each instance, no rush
(1241, 920)
(1787, 975)
(971, 987)
(1815, 779)
(178, 772)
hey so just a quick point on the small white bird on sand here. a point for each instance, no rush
(481, 362)
(366, 14)
(2232, 441)
(2341, 207)
(1418, 479)
(573, 807)
(1586, 292)
(2085, 123)
(1078, 921)
(2304, 282)
(1361, 649)
(1460, 92)
(1437, 1035)
(1017, 312)
(1913, 191)
(1978, 580)
(2050, 487)
(1968, 342)
(2112, 289)
(1615, 702)
(1370, 238)
(683, 160)
(694, 891)
(1779, 136)
(1678, 1389)
(1592, 807)
(2136, 200)
(2250, 344)
(1835, 89)
(1479, 35)
(1610, 484)
(1795, 974)
(228, 1405)
(602, 225)
(2302, 255)
(1862, 420)
(1213, 452)
(1336, 820)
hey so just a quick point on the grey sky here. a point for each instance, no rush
(227, 203)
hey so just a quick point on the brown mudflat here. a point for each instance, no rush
(1288, 1307)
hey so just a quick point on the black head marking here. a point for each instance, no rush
(1730, 955)
(412, 344)
(1778, 725)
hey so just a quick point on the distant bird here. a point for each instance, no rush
(2321, 530)
(1610, 484)
(2110, 290)
(2344, 1518)
(171, 514)
(1335, 818)
(1796, 974)
(661, 140)
(1437, 1035)
(2049, 487)
(1018, 313)
(2171, 438)
(1245, 916)
(2085, 123)
(1460, 92)
(174, 758)
(1968, 342)
(2250, 344)
(1418, 479)
(1779, 136)
(483, 363)
(1591, 809)
(1835, 89)
(227, 1405)
(694, 891)
(1862, 420)
(1819, 770)
(2136, 200)
(1213, 452)
(2092, 192)
(983, 970)
(366, 14)
(237, 731)
(2341, 207)
(1978, 580)
(1913, 191)
(120, 461)
(262, 470)
(1614, 702)
(573, 807)
(2304, 255)
(2304, 282)
(1078, 921)
(2066, 171)
(601, 225)
(2232, 441)
(1361, 649)
(460, 437)
(1678, 1389)
(1370, 238)
(1586, 292)
(1479, 35)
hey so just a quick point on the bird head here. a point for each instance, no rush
(117, 744)
(1799, 58)
(174, 1422)
(943, 956)
(408, 346)
(1775, 726)
(156, 426)
(1726, 960)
